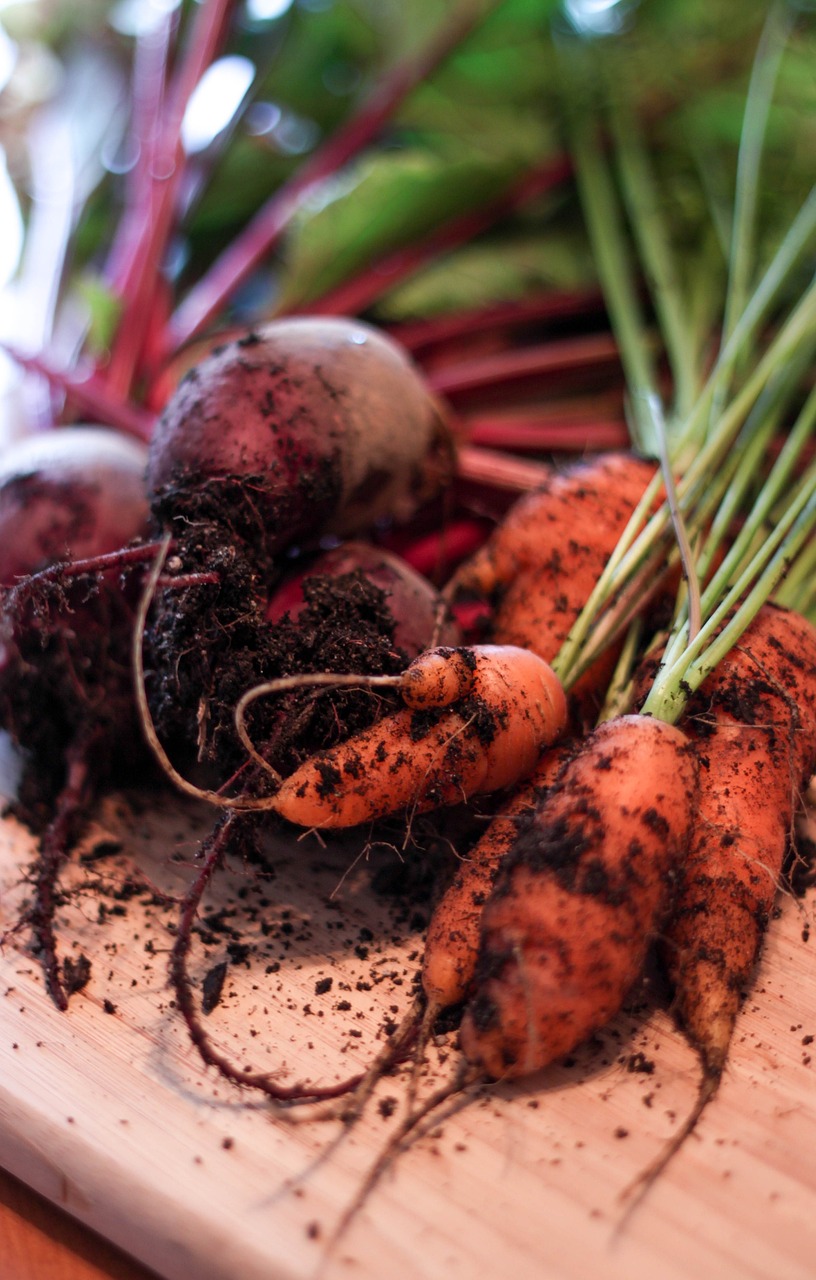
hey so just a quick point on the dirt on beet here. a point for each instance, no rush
(205, 646)
(65, 684)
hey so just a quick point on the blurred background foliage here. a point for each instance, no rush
(488, 115)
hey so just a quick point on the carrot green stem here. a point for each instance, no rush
(648, 225)
(694, 488)
(675, 684)
(772, 43)
(604, 220)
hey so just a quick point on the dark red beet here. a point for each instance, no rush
(66, 694)
(68, 494)
(416, 606)
(308, 425)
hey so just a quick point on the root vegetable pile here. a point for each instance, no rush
(217, 609)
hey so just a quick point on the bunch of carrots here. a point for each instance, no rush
(642, 698)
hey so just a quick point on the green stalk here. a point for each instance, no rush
(772, 491)
(604, 219)
(798, 591)
(648, 225)
(751, 448)
(752, 143)
(794, 244)
(694, 487)
(773, 41)
(675, 683)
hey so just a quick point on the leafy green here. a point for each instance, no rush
(492, 270)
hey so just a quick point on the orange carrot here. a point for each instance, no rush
(581, 895)
(452, 941)
(541, 564)
(754, 726)
(476, 720)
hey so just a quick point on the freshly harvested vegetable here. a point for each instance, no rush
(69, 495)
(540, 566)
(66, 499)
(301, 427)
(65, 496)
(580, 897)
(420, 615)
(306, 427)
(454, 930)
(475, 720)
(753, 726)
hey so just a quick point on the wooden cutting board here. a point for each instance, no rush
(108, 1111)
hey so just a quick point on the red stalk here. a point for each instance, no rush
(266, 228)
(499, 470)
(445, 547)
(416, 335)
(89, 395)
(150, 59)
(139, 282)
(542, 364)
(550, 430)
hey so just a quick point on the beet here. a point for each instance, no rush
(414, 603)
(66, 693)
(306, 426)
(68, 494)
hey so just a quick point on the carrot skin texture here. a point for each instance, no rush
(582, 893)
(754, 727)
(489, 739)
(452, 940)
(542, 562)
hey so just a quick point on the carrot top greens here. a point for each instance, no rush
(717, 431)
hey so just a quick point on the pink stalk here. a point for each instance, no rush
(150, 60)
(543, 364)
(353, 296)
(89, 395)
(499, 470)
(416, 335)
(139, 281)
(266, 228)
(546, 431)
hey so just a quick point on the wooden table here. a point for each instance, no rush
(37, 1240)
(108, 1111)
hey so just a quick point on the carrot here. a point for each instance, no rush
(452, 941)
(581, 895)
(476, 720)
(541, 564)
(754, 727)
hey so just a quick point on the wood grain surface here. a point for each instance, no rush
(38, 1240)
(107, 1112)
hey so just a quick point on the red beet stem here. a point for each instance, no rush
(269, 224)
(499, 470)
(88, 395)
(445, 547)
(141, 277)
(431, 331)
(548, 431)
(148, 84)
(542, 364)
